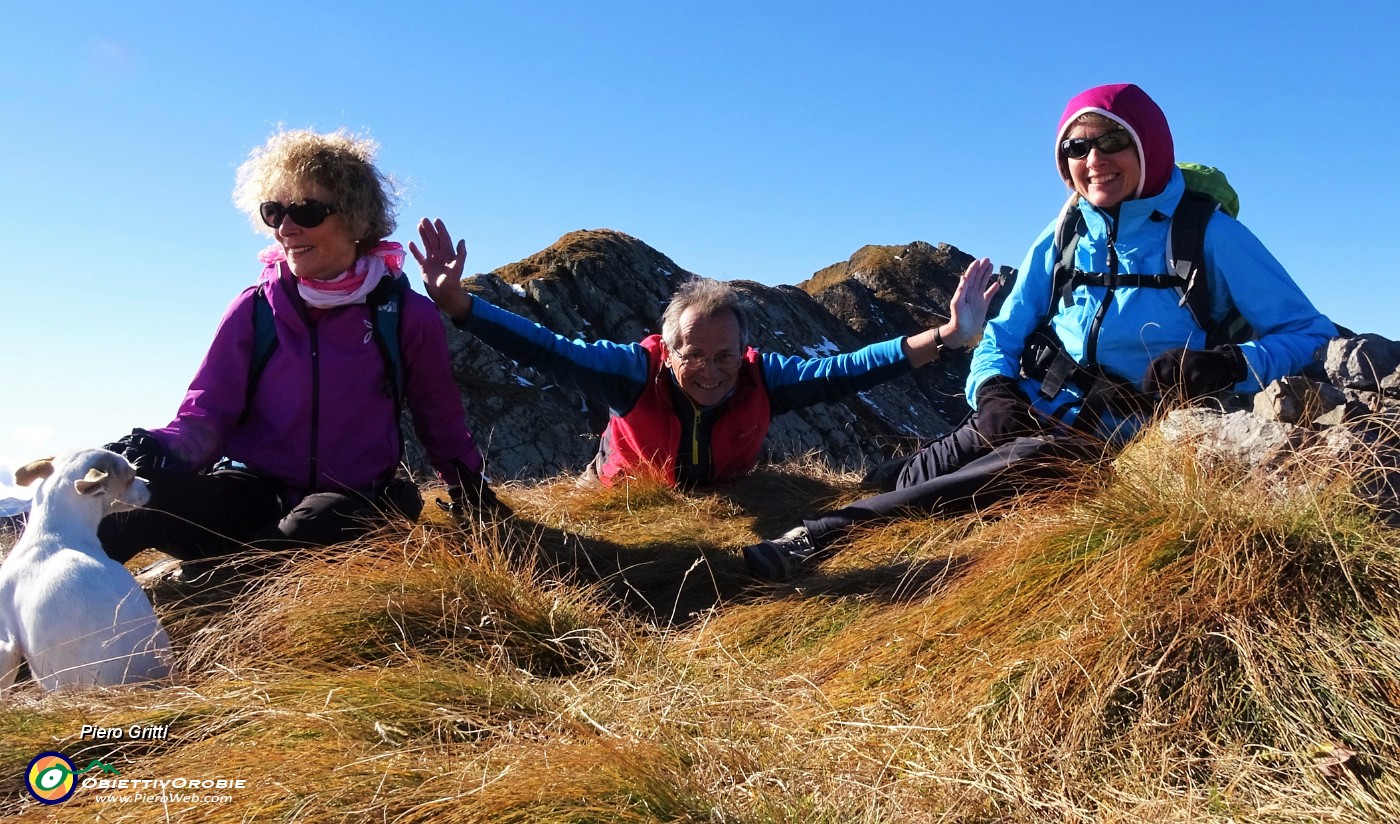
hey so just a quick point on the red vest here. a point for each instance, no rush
(645, 441)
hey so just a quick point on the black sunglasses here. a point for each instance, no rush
(1077, 148)
(307, 214)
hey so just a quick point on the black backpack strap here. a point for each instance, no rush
(1186, 257)
(1186, 253)
(1041, 355)
(385, 304)
(264, 342)
(1044, 357)
(1067, 234)
(1141, 281)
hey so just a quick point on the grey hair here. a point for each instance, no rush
(708, 298)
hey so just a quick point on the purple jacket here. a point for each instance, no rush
(322, 415)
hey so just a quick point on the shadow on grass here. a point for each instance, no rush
(778, 500)
(900, 582)
(662, 583)
(675, 586)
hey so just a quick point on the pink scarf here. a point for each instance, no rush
(352, 285)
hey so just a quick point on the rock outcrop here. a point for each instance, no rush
(605, 285)
(1344, 413)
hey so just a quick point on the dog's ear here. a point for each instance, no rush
(93, 483)
(33, 471)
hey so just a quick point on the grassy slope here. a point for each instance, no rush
(1161, 642)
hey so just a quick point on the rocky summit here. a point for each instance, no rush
(605, 285)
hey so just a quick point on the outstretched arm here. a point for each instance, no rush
(967, 312)
(443, 268)
(615, 373)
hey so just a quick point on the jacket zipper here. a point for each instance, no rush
(313, 467)
(1091, 347)
(695, 437)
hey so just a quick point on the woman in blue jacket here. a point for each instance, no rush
(1111, 346)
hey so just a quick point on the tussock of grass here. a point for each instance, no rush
(376, 602)
(1181, 616)
(600, 782)
(1172, 638)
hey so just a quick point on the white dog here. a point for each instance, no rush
(77, 616)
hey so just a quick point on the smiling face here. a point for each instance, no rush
(1104, 180)
(706, 336)
(321, 252)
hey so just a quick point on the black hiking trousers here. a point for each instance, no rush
(219, 514)
(965, 470)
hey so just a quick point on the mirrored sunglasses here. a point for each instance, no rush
(1077, 148)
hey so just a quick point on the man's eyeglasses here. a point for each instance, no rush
(1077, 148)
(724, 360)
(307, 214)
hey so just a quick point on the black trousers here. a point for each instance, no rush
(218, 514)
(960, 472)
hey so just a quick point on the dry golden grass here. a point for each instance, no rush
(1168, 640)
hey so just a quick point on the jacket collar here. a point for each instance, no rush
(1132, 214)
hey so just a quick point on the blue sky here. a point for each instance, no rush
(744, 140)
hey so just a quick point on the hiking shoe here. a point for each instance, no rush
(780, 558)
(165, 583)
(171, 581)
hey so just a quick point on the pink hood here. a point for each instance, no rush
(1139, 114)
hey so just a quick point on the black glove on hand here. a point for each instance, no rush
(1188, 374)
(1003, 411)
(142, 449)
(473, 500)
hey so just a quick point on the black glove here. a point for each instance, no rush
(142, 449)
(473, 500)
(1188, 374)
(1003, 411)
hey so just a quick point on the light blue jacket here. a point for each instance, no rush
(1141, 323)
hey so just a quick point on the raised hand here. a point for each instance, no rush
(967, 311)
(443, 268)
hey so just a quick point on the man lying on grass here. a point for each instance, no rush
(692, 404)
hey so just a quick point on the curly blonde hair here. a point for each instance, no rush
(340, 163)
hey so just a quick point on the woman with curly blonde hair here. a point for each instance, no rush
(289, 433)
